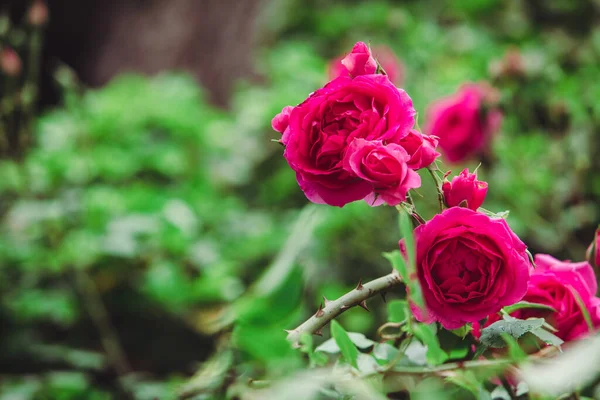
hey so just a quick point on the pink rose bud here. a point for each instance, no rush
(38, 13)
(465, 190)
(360, 61)
(464, 122)
(392, 66)
(421, 149)
(10, 62)
(593, 252)
(281, 121)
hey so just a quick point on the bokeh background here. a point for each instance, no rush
(150, 230)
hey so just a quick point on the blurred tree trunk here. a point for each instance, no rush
(213, 39)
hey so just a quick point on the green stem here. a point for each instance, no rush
(438, 186)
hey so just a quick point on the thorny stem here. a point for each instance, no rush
(333, 308)
(438, 186)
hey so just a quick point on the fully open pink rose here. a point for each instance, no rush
(556, 284)
(320, 129)
(464, 122)
(384, 167)
(421, 149)
(465, 188)
(384, 55)
(469, 266)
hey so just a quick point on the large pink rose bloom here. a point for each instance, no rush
(464, 122)
(317, 133)
(386, 57)
(469, 266)
(556, 284)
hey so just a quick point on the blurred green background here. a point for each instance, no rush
(147, 233)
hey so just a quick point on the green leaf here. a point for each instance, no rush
(583, 308)
(406, 230)
(547, 337)
(468, 380)
(397, 261)
(526, 304)
(359, 340)
(427, 335)
(410, 273)
(367, 364)
(397, 310)
(345, 344)
(463, 331)
(492, 335)
(515, 351)
(385, 352)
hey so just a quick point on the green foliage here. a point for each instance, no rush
(186, 217)
(345, 344)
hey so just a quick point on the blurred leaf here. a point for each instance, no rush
(468, 380)
(345, 344)
(385, 352)
(463, 331)
(427, 335)
(397, 310)
(210, 376)
(359, 340)
(547, 337)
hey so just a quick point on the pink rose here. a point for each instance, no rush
(556, 283)
(386, 58)
(465, 188)
(421, 148)
(282, 120)
(320, 129)
(10, 62)
(464, 123)
(593, 252)
(384, 167)
(360, 61)
(469, 266)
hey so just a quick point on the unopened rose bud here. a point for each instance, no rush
(511, 65)
(360, 61)
(465, 191)
(38, 13)
(10, 62)
(593, 252)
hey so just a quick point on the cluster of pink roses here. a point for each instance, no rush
(355, 139)
(470, 266)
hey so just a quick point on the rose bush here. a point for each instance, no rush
(465, 188)
(469, 266)
(561, 285)
(463, 122)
